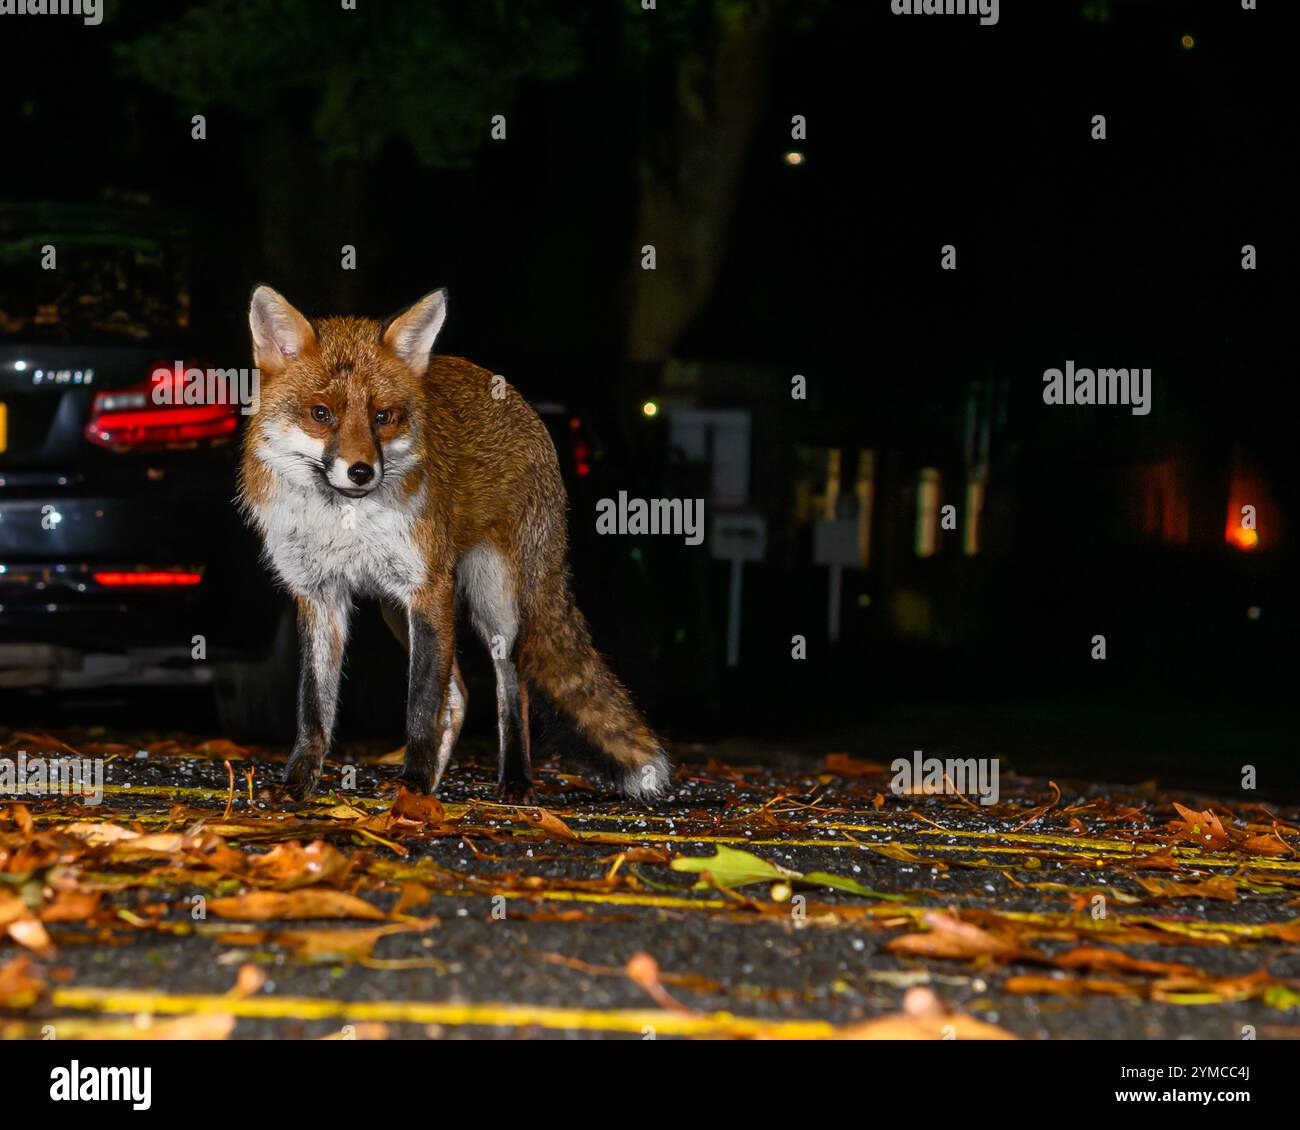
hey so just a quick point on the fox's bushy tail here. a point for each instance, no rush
(556, 656)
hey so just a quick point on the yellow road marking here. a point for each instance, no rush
(1188, 855)
(1073, 920)
(615, 898)
(662, 1022)
(1082, 923)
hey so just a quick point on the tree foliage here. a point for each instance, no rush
(374, 73)
(432, 72)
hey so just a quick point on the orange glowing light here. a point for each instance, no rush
(1242, 537)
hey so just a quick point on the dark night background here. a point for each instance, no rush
(672, 127)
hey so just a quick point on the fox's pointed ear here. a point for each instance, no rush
(412, 333)
(280, 333)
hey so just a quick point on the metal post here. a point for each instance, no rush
(733, 614)
(837, 584)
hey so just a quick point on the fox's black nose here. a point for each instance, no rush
(361, 473)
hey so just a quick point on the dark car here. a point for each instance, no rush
(123, 559)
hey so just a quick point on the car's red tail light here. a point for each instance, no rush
(158, 579)
(133, 419)
(581, 449)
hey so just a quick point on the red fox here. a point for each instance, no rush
(376, 469)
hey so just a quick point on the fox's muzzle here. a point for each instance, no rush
(356, 479)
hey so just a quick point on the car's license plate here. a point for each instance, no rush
(4, 426)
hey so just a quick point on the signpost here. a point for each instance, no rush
(737, 538)
(837, 543)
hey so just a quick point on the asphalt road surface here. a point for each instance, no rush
(1088, 912)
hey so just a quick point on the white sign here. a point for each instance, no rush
(719, 437)
(739, 537)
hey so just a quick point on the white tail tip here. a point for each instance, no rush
(649, 781)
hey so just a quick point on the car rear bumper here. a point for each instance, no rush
(65, 527)
(76, 603)
(47, 666)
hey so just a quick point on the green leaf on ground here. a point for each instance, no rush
(731, 867)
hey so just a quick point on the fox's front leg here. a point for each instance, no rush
(322, 633)
(430, 625)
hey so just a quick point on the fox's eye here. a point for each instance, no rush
(384, 417)
(321, 414)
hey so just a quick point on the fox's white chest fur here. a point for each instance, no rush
(318, 544)
(321, 543)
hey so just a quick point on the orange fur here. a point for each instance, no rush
(482, 473)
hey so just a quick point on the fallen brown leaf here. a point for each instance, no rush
(951, 937)
(419, 808)
(20, 986)
(1221, 887)
(1039, 985)
(547, 822)
(306, 902)
(1203, 828)
(923, 1017)
(848, 766)
(70, 906)
(1103, 960)
(329, 945)
(248, 980)
(1271, 844)
(29, 932)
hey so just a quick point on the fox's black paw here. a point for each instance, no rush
(516, 792)
(413, 781)
(300, 777)
(298, 787)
